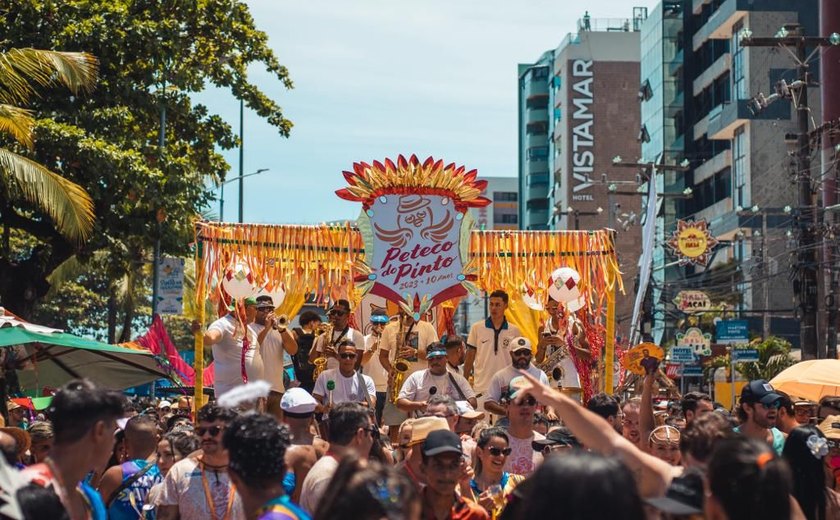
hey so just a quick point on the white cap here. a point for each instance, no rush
(298, 401)
(520, 343)
(466, 410)
(164, 404)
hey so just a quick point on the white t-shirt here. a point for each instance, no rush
(523, 460)
(455, 370)
(273, 356)
(352, 334)
(374, 368)
(227, 353)
(489, 359)
(346, 388)
(501, 381)
(183, 487)
(416, 386)
(315, 483)
(422, 335)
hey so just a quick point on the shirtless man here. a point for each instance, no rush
(298, 410)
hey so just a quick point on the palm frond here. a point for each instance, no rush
(67, 203)
(20, 68)
(71, 269)
(17, 123)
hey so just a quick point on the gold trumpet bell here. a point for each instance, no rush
(401, 365)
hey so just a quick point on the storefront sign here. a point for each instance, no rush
(691, 302)
(170, 294)
(692, 242)
(699, 341)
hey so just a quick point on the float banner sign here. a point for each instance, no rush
(170, 293)
(732, 331)
(691, 302)
(416, 253)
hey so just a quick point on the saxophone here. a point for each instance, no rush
(400, 364)
(326, 331)
(555, 357)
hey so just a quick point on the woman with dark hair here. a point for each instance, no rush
(747, 482)
(491, 484)
(805, 449)
(368, 491)
(592, 486)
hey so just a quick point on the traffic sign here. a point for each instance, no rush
(682, 354)
(744, 355)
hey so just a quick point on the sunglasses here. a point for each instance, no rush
(165, 409)
(522, 353)
(528, 401)
(336, 312)
(494, 451)
(212, 430)
(347, 355)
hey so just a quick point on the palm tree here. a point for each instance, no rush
(773, 357)
(22, 179)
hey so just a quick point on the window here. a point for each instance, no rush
(510, 196)
(739, 159)
(537, 153)
(537, 204)
(739, 83)
(537, 102)
(539, 73)
(506, 218)
(536, 179)
(537, 128)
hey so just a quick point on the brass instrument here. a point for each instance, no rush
(281, 323)
(326, 330)
(400, 366)
(550, 361)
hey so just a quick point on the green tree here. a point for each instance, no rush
(154, 56)
(773, 357)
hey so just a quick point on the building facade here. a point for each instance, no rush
(739, 167)
(534, 120)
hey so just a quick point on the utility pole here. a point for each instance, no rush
(791, 37)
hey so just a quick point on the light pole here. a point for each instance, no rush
(222, 194)
(241, 155)
(577, 213)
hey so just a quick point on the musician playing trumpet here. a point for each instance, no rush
(563, 343)
(274, 341)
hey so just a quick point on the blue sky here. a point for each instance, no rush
(376, 78)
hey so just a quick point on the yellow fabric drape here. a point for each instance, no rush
(527, 320)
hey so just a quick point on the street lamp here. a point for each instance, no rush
(222, 194)
(577, 213)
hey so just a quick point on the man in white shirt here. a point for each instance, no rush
(274, 344)
(339, 316)
(566, 333)
(455, 353)
(370, 360)
(488, 345)
(229, 336)
(351, 432)
(413, 336)
(419, 386)
(344, 384)
(520, 353)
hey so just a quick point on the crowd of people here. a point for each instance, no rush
(400, 424)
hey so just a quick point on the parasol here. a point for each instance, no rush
(812, 379)
(51, 358)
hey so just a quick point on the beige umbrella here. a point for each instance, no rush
(812, 379)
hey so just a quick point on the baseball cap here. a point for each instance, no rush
(423, 426)
(442, 441)
(250, 301)
(466, 410)
(759, 391)
(264, 302)
(683, 497)
(559, 435)
(435, 350)
(297, 402)
(11, 405)
(164, 404)
(520, 343)
(379, 316)
(513, 387)
(831, 427)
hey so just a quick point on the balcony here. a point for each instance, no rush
(717, 68)
(712, 166)
(558, 132)
(724, 119)
(538, 191)
(719, 25)
(697, 5)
